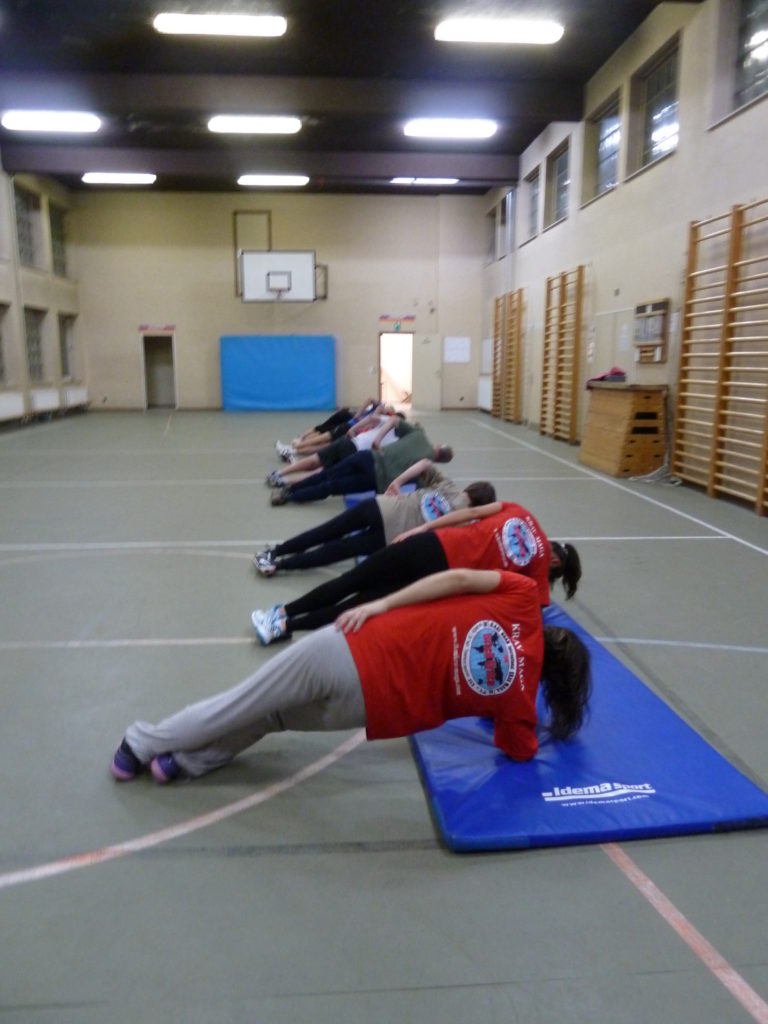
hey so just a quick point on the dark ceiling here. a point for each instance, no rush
(353, 70)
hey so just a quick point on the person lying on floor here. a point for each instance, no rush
(376, 431)
(374, 523)
(368, 470)
(502, 535)
(456, 644)
(336, 425)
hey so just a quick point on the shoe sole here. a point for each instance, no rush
(122, 774)
(158, 774)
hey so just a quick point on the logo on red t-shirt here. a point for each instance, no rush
(519, 541)
(488, 659)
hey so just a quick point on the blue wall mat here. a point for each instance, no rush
(284, 371)
(634, 771)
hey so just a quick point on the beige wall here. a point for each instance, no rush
(166, 260)
(633, 240)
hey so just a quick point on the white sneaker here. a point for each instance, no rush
(270, 625)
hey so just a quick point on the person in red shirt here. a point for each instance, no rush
(455, 644)
(499, 535)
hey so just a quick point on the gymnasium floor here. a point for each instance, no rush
(306, 883)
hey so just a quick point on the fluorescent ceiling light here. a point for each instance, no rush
(424, 181)
(117, 178)
(273, 180)
(521, 31)
(450, 128)
(50, 121)
(220, 24)
(246, 124)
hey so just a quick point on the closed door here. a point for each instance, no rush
(158, 372)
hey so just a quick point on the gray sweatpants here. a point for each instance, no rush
(310, 686)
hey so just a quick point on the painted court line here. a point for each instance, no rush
(232, 641)
(743, 993)
(688, 644)
(183, 828)
(627, 490)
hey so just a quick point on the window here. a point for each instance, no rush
(56, 216)
(66, 324)
(606, 135)
(532, 192)
(33, 331)
(28, 226)
(752, 60)
(661, 128)
(558, 182)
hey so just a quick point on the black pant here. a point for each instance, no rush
(383, 573)
(357, 531)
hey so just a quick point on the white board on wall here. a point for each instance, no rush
(277, 276)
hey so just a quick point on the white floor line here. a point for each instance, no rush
(183, 828)
(167, 641)
(20, 485)
(130, 545)
(686, 644)
(229, 641)
(627, 490)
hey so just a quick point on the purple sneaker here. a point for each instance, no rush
(164, 768)
(125, 765)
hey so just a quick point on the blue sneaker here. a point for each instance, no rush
(165, 768)
(125, 765)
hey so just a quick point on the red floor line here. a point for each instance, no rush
(728, 976)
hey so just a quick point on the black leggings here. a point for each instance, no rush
(357, 531)
(381, 574)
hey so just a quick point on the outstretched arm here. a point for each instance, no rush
(407, 475)
(430, 588)
(458, 517)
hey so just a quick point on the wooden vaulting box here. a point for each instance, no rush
(625, 430)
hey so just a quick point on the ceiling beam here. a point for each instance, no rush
(348, 166)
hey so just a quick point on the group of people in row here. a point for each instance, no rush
(440, 618)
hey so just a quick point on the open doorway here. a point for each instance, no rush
(159, 376)
(396, 369)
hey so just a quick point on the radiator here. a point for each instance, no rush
(11, 405)
(75, 396)
(44, 399)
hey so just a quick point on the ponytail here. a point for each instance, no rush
(569, 569)
(565, 681)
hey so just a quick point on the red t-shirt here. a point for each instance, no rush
(472, 654)
(511, 540)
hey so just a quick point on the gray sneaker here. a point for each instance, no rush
(279, 496)
(270, 625)
(265, 563)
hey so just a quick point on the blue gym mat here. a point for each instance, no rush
(635, 770)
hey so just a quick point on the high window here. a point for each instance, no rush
(532, 196)
(558, 183)
(752, 59)
(28, 227)
(608, 139)
(660, 128)
(56, 215)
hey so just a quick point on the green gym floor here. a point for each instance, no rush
(306, 883)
